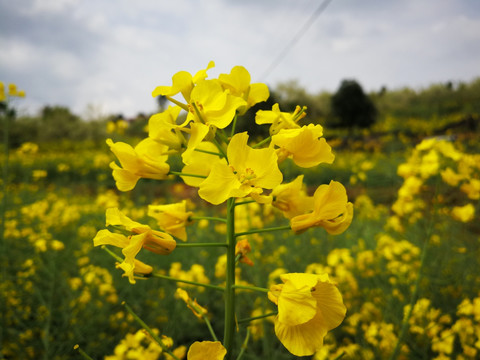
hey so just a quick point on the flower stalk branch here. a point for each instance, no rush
(150, 331)
(257, 231)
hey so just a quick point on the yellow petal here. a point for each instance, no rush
(105, 237)
(301, 340)
(267, 116)
(115, 217)
(258, 92)
(330, 304)
(304, 145)
(172, 218)
(238, 151)
(130, 251)
(330, 200)
(307, 338)
(158, 242)
(341, 223)
(206, 350)
(124, 179)
(219, 184)
(201, 163)
(198, 133)
(296, 305)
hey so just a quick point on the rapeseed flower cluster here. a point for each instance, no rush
(434, 161)
(12, 91)
(228, 167)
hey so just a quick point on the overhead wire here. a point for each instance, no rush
(295, 39)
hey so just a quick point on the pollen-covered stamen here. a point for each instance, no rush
(244, 177)
(196, 108)
(248, 175)
(299, 113)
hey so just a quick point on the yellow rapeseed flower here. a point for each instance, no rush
(464, 213)
(201, 163)
(249, 172)
(292, 199)
(309, 306)
(198, 310)
(142, 236)
(172, 218)
(182, 82)
(146, 160)
(279, 119)
(163, 128)
(238, 83)
(3, 96)
(331, 210)
(211, 105)
(305, 146)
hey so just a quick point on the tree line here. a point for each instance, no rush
(348, 107)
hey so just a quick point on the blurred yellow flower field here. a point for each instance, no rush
(340, 250)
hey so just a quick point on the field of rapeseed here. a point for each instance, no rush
(213, 244)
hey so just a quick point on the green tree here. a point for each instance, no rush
(351, 107)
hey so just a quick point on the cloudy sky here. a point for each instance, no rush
(109, 55)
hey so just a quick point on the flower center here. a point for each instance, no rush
(246, 176)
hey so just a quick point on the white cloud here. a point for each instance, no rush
(76, 53)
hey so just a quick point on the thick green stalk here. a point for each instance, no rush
(229, 334)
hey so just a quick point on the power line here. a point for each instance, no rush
(296, 38)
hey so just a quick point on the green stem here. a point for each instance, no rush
(179, 173)
(219, 147)
(264, 141)
(215, 287)
(112, 254)
(252, 288)
(245, 202)
(201, 245)
(210, 328)
(210, 286)
(234, 124)
(209, 152)
(207, 218)
(182, 105)
(247, 320)
(244, 345)
(229, 330)
(413, 300)
(221, 134)
(256, 231)
(199, 311)
(152, 334)
(83, 353)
